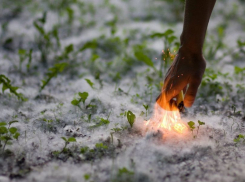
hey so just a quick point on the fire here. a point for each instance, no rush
(166, 120)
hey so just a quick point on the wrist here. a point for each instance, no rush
(191, 50)
(189, 45)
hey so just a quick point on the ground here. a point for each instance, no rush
(89, 72)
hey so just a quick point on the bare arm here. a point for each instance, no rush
(197, 14)
(189, 64)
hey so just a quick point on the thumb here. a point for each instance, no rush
(191, 92)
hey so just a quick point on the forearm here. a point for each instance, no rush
(197, 15)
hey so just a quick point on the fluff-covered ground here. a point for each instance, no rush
(99, 41)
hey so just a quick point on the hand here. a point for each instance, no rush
(186, 69)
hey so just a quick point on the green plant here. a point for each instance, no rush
(102, 122)
(66, 52)
(67, 141)
(45, 38)
(238, 138)
(6, 84)
(23, 55)
(131, 118)
(239, 72)
(124, 174)
(200, 123)
(146, 109)
(141, 56)
(191, 125)
(100, 146)
(53, 72)
(70, 13)
(86, 176)
(82, 98)
(90, 83)
(84, 149)
(7, 133)
(49, 122)
(124, 170)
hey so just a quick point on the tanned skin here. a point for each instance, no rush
(189, 64)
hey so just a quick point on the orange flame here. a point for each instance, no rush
(166, 120)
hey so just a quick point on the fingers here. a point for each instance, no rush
(174, 86)
(171, 88)
(191, 92)
(169, 106)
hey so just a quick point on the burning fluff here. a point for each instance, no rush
(165, 120)
(168, 120)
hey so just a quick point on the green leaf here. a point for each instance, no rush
(171, 39)
(16, 135)
(89, 45)
(131, 118)
(144, 58)
(72, 139)
(168, 32)
(101, 123)
(83, 96)
(84, 149)
(3, 123)
(201, 123)
(5, 138)
(239, 137)
(53, 71)
(39, 28)
(3, 130)
(29, 59)
(94, 57)
(64, 139)
(69, 49)
(146, 107)
(22, 52)
(191, 124)
(160, 35)
(100, 146)
(116, 129)
(14, 121)
(90, 83)
(12, 130)
(75, 102)
(124, 170)
(7, 85)
(86, 176)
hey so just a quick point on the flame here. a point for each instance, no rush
(166, 120)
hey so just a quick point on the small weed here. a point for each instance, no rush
(124, 174)
(86, 176)
(146, 109)
(53, 72)
(239, 138)
(7, 134)
(191, 125)
(100, 146)
(82, 98)
(67, 141)
(91, 84)
(102, 122)
(65, 55)
(131, 118)
(6, 84)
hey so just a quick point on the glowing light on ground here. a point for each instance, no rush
(165, 120)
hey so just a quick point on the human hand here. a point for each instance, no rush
(186, 69)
